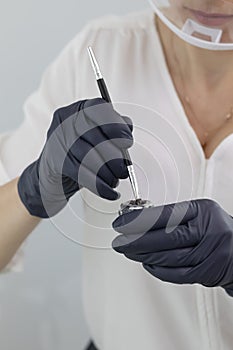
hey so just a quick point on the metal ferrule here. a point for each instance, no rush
(133, 181)
(94, 63)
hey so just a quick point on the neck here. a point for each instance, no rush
(200, 67)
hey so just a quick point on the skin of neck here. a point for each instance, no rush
(200, 67)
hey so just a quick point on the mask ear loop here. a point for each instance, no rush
(191, 27)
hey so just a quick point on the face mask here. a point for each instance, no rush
(206, 24)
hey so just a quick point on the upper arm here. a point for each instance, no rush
(57, 88)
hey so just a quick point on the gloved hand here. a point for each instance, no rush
(187, 242)
(83, 149)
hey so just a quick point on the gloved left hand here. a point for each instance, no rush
(187, 242)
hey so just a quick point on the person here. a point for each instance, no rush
(172, 70)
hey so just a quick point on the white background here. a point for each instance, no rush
(41, 308)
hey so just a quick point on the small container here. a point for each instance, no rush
(132, 205)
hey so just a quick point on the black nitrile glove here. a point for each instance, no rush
(83, 149)
(187, 242)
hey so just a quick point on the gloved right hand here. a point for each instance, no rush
(83, 149)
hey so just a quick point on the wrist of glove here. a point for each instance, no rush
(182, 243)
(84, 148)
(29, 190)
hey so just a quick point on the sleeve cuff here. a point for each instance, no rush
(4, 178)
(16, 263)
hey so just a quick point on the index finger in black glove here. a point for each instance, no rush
(97, 127)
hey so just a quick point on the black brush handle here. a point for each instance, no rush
(105, 95)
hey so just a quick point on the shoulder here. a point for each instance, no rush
(132, 21)
(111, 27)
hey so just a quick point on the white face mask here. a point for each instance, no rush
(207, 24)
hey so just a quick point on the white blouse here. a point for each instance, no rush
(126, 308)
